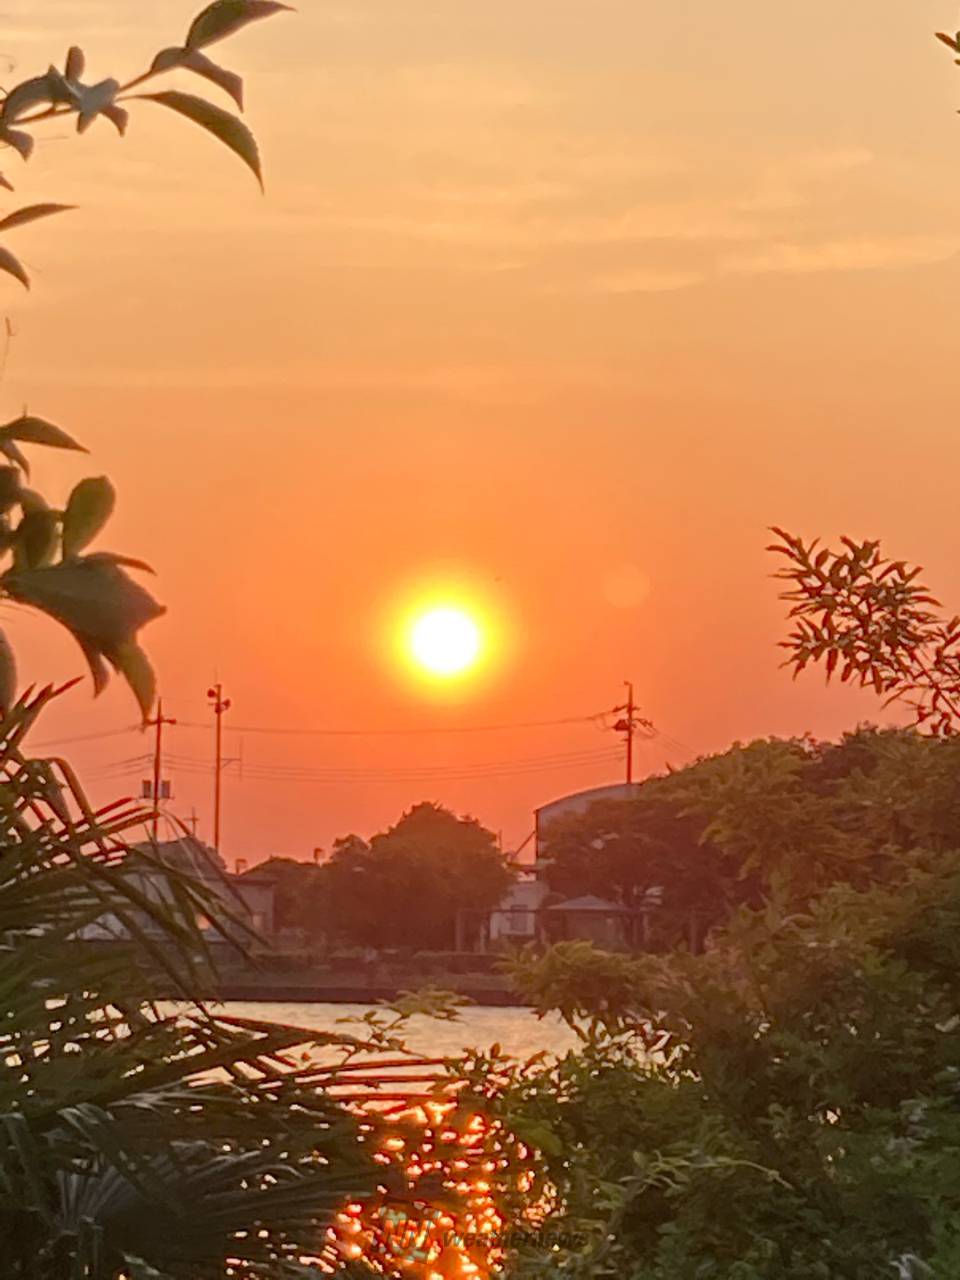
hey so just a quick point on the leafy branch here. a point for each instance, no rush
(89, 594)
(50, 569)
(60, 93)
(874, 621)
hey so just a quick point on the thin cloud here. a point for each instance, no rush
(648, 281)
(861, 254)
(471, 88)
(665, 222)
(793, 181)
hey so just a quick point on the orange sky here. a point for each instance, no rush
(541, 297)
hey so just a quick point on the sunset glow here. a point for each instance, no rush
(446, 642)
(523, 327)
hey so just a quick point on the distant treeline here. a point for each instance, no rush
(778, 818)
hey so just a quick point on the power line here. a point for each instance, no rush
(558, 757)
(333, 774)
(133, 764)
(287, 731)
(87, 737)
(407, 732)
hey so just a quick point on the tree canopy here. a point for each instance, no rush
(297, 896)
(875, 622)
(776, 816)
(792, 1112)
(404, 887)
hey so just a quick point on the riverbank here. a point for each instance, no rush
(280, 979)
(486, 990)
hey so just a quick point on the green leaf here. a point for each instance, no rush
(89, 596)
(231, 131)
(98, 668)
(21, 141)
(9, 488)
(167, 60)
(89, 508)
(228, 81)
(17, 456)
(195, 60)
(37, 538)
(111, 557)
(30, 430)
(134, 665)
(224, 17)
(30, 213)
(40, 91)
(539, 1135)
(13, 267)
(101, 607)
(8, 674)
(30, 500)
(75, 63)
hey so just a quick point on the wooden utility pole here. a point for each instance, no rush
(630, 729)
(220, 704)
(158, 724)
(628, 726)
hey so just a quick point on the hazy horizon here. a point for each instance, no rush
(560, 304)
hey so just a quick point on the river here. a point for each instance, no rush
(518, 1031)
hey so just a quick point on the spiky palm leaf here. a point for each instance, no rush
(138, 1141)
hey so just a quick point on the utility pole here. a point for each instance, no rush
(220, 704)
(158, 724)
(628, 726)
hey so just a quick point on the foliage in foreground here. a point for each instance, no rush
(873, 621)
(784, 817)
(91, 594)
(136, 1142)
(783, 1107)
(786, 1105)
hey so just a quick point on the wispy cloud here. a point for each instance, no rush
(651, 281)
(561, 227)
(855, 254)
(796, 180)
(473, 88)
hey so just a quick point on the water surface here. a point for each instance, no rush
(518, 1031)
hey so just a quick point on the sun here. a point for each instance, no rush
(445, 641)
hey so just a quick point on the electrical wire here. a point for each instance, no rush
(267, 772)
(86, 737)
(332, 780)
(284, 731)
(444, 773)
(560, 757)
(407, 732)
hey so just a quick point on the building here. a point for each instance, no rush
(514, 920)
(577, 803)
(258, 894)
(530, 912)
(240, 912)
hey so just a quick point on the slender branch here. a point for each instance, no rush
(67, 109)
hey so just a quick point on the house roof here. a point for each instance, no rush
(188, 854)
(579, 800)
(590, 903)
